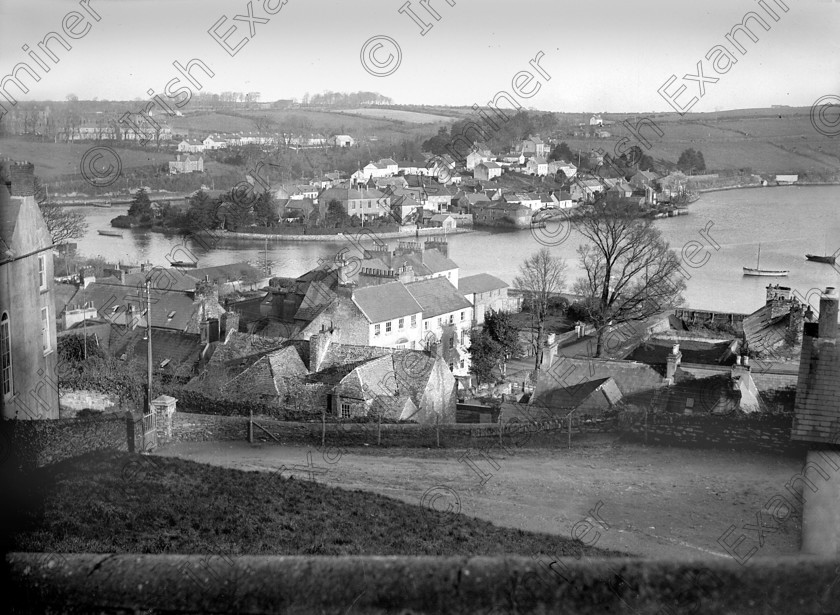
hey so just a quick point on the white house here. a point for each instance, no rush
(212, 142)
(394, 318)
(341, 141)
(447, 319)
(190, 146)
(534, 145)
(188, 164)
(537, 166)
(487, 170)
(596, 120)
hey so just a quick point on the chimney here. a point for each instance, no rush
(319, 343)
(828, 314)
(741, 367)
(213, 330)
(673, 362)
(229, 322)
(22, 178)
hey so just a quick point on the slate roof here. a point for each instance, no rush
(232, 272)
(480, 283)
(632, 378)
(385, 302)
(437, 296)
(178, 347)
(655, 352)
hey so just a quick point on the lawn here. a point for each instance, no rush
(118, 502)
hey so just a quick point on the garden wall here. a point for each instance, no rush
(766, 433)
(39, 443)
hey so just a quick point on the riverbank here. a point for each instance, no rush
(758, 185)
(363, 233)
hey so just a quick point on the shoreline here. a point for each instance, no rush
(750, 186)
(426, 232)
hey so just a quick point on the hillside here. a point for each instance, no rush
(117, 502)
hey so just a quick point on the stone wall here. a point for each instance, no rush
(100, 583)
(39, 443)
(769, 433)
(73, 401)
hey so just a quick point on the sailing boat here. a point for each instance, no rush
(826, 258)
(770, 273)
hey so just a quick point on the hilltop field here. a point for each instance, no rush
(765, 141)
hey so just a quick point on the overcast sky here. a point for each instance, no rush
(601, 56)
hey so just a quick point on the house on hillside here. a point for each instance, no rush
(447, 319)
(191, 146)
(486, 292)
(363, 202)
(487, 171)
(212, 142)
(28, 377)
(392, 314)
(537, 166)
(186, 165)
(534, 145)
(444, 221)
(341, 141)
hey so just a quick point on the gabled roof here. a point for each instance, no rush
(480, 283)
(488, 165)
(386, 302)
(232, 272)
(170, 349)
(437, 296)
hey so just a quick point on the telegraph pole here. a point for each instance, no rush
(148, 346)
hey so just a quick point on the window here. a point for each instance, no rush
(451, 319)
(413, 320)
(451, 367)
(6, 355)
(345, 411)
(376, 329)
(402, 323)
(440, 321)
(45, 328)
(42, 272)
(452, 341)
(462, 316)
(388, 327)
(426, 325)
(462, 364)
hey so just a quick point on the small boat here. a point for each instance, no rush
(184, 264)
(830, 259)
(768, 273)
(111, 233)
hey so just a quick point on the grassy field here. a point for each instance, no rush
(55, 159)
(117, 502)
(399, 115)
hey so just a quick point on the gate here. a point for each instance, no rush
(148, 431)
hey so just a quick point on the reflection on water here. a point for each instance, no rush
(788, 222)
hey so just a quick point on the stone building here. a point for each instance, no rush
(27, 302)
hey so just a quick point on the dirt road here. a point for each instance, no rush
(648, 501)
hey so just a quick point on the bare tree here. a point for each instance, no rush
(631, 272)
(62, 223)
(541, 276)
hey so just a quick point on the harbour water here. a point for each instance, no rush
(788, 222)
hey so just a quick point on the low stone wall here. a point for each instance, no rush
(32, 444)
(188, 427)
(766, 433)
(98, 583)
(73, 401)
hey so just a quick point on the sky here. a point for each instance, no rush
(599, 56)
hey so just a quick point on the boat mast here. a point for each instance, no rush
(758, 262)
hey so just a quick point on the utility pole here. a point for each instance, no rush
(148, 346)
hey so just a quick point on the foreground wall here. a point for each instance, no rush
(74, 583)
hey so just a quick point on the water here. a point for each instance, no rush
(788, 221)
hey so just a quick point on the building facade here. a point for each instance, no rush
(27, 322)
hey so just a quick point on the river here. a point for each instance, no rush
(788, 222)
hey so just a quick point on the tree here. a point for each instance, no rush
(336, 213)
(265, 210)
(541, 276)
(62, 223)
(630, 271)
(561, 152)
(201, 214)
(691, 160)
(485, 354)
(141, 206)
(502, 329)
